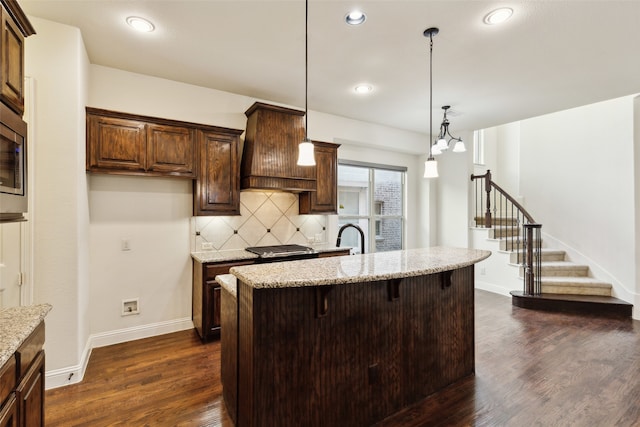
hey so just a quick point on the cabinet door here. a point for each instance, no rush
(325, 198)
(30, 395)
(217, 189)
(12, 64)
(115, 144)
(171, 150)
(9, 413)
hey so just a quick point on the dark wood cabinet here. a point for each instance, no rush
(22, 384)
(206, 296)
(9, 413)
(30, 394)
(325, 199)
(122, 143)
(15, 27)
(217, 189)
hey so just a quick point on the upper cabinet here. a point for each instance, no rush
(217, 189)
(325, 199)
(121, 143)
(15, 27)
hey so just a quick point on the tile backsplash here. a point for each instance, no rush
(266, 218)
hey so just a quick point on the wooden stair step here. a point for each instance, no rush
(547, 255)
(496, 221)
(503, 232)
(574, 286)
(583, 304)
(561, 268)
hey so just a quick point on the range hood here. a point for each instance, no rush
(270, 151)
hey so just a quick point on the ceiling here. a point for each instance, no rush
(551, 55)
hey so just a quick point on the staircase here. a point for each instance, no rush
(553, 282)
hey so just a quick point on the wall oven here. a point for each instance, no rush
(13, 166)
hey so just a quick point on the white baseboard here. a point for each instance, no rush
(74, 374)
(490, 287)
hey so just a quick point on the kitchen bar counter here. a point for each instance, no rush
(16, 324)
(349, 340)
(358, 268)
(241, 254)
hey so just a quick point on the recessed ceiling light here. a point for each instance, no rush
(140, 24)
(363, 89)
(498, 16)
(355, 17)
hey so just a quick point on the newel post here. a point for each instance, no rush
(531, 279)
(487, 188)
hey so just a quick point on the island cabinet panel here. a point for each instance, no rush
(351, 354)
(217, 189)
(229, 353)
(325, 199)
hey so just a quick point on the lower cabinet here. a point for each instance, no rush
(22, 384)
(30, 394)
(206, 296)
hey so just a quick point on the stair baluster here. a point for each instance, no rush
(511, 216)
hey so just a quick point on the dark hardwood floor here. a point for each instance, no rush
(532, 369)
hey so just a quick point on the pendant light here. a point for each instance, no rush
(430, 165)
(305, 148)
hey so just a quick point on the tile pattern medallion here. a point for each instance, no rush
(265, 219)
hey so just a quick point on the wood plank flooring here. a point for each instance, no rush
(532, 369)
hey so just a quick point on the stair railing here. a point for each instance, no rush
(521, 234)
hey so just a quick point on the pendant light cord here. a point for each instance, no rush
(306, 69)
(430, 92)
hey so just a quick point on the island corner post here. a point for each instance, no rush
(351, 353)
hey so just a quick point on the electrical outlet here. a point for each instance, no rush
(130, 306)
(125, 245)
(483, 271)
(318, 238)
(207, 246)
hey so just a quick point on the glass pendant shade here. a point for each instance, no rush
(431, 168)
(435, 150)
(459, 147)
(305, 153)
(442, 144)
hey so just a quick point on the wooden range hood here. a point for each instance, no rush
(270, 151)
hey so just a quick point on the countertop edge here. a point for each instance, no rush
(241, 255)
(16, 324)
(329, 271)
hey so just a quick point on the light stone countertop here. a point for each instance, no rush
(16, 324)
(358, 268)
(241, 254)
(228, 282)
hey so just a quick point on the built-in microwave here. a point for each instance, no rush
(13, 166)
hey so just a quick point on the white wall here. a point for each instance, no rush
(56, 60)
(453, 202)
(577, 177)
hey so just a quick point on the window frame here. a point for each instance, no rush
(374, 219)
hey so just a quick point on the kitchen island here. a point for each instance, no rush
(348, 340)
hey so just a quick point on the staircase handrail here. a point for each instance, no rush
(531, 233)
(492, 184)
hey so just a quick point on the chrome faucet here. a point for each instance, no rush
(357, 227)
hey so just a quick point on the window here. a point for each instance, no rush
(372, 197)
(478, 147)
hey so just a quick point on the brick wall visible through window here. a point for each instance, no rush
(380, 213)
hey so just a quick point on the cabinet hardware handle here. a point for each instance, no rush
(393, 289)
(322, 300)
(446, 279)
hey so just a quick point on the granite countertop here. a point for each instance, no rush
(358, 268)
(16, 324)
(228, 282)
(241, 254)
